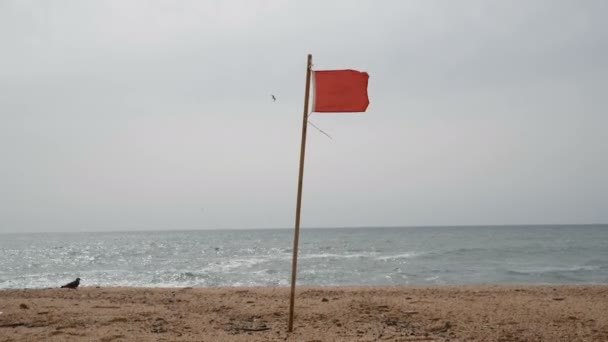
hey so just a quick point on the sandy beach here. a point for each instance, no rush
(488, 313)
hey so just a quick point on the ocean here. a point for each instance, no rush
(338, 256)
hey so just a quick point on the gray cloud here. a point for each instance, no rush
(137, 115)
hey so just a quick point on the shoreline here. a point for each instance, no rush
(353, 313)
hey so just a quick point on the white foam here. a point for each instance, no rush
(550, 269)
(408, 255)
(337, 256)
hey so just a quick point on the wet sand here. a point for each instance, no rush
(463, 313)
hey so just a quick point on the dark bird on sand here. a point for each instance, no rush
(72, 285)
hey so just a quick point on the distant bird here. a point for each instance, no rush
(274, 99)
(72, 285)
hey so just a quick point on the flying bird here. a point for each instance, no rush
(72, 285)
(273, 98)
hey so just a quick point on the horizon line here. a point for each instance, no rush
(313, 227)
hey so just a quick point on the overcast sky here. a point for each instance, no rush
(136, 115)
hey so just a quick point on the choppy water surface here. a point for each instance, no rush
(363, 256)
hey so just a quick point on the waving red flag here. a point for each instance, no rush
(334, 91)
(338, 91)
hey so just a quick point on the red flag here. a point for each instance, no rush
(340, 91)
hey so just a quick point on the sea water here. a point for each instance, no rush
(327, 257)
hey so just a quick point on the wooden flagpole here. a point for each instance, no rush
(296, 236)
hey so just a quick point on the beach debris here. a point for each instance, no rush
(119, 320)
(397, 324)
(247, 326)
(441, 328)
(11, 325)
(254, 326)
(111, 338)
(325, 300)
(383, 308)
(72, 285)
(24, 306)
(251, 324)
(274, 99)
(41, 312)
(559, 298)
(158, 327)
